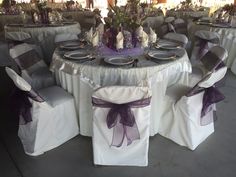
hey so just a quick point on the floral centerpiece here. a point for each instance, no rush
(124, 21)
(230, 9)
(225, 13)
(9, 7)
(41, 13)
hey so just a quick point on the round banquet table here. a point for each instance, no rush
(45, 34)
(227, 40)
(81, 79)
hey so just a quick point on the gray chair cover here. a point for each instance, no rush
(175, 37)
(33, 68)
(204, 40)
(210, 62)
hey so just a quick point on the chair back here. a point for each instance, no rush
(153, 22)
(214, 57)
(180, 26)
(209, 36)
(17, 36)
(207, 81)
(26, 58)
(169, 19)
(179, 38)
(24, 85)
(121, 120)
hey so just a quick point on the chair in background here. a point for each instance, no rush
(153, 22)
(121, 116)
(211, 61)
(177, 38)
(16, 38)
(180, 26)
(33, 68)
(204, 40)
(47, 118)
(190, 120)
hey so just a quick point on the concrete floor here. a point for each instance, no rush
(216, 157)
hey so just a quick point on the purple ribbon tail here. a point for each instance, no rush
(21, 105)
(211, 96)
(203, 45)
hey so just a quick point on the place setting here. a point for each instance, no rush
(79, 56)
(167, 45)
(120, 61)
(164, 56)
(72, 45)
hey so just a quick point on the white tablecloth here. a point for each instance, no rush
(68, 74)
(227, 40)
(45, 35)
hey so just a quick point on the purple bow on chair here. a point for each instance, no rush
(203, 44)
(21, 103)
(211, 96)
(121, 119)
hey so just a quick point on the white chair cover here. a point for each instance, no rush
(181, 124)
(135, 154)
(65, 37)
(180, 26)
(33, 69)
(175, 37)
(17, 36)
(204, 40)
(53, 121)
(23, 37)
(169, 19)
(153, 22)
(208, 63)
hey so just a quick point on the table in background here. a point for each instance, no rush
(45, 34)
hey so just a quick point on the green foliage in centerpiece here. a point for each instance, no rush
(230, 9)
(128, 17)
(125, 19)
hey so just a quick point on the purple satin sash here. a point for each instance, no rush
(203, 45)
(121, 119)
(211, 96)
(21, 104)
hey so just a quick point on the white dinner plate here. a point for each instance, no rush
(119, 60)
(77, 55)
(159, 55)
(168, 45)
(72, 45)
